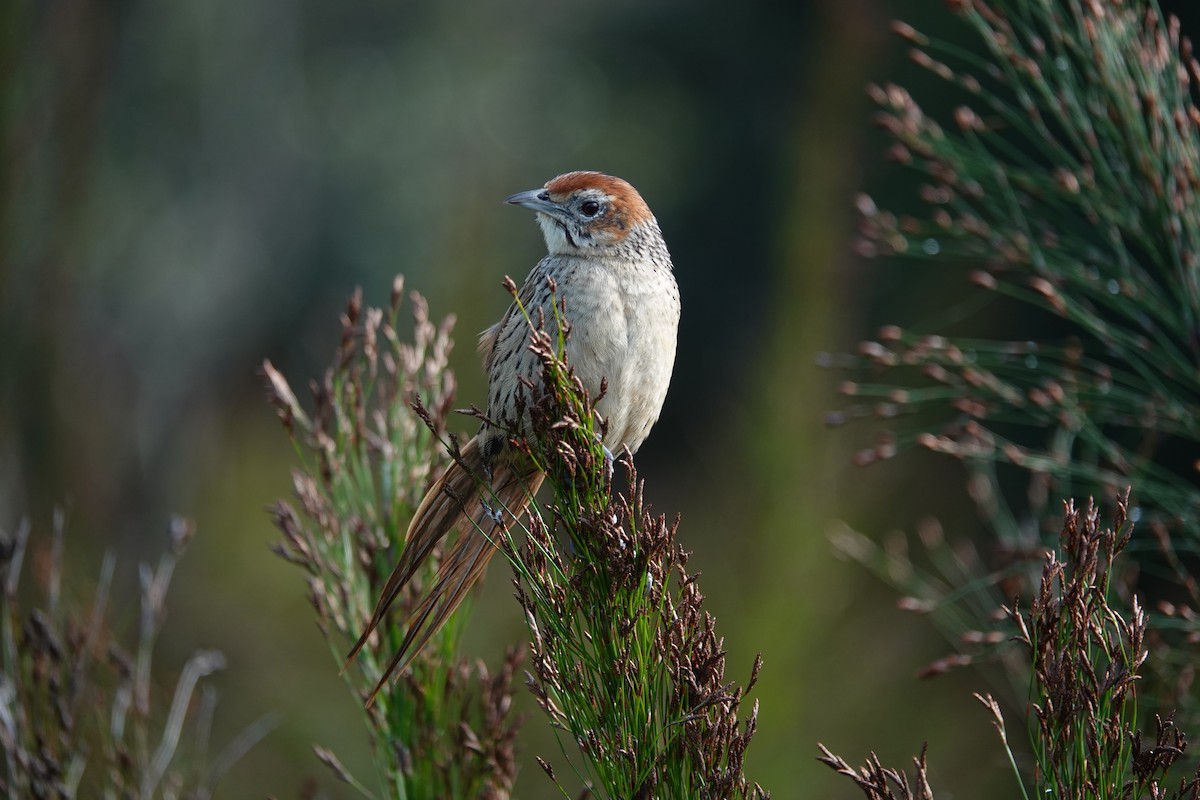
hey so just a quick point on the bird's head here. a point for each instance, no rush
(585, 213)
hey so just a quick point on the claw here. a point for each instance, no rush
(495, 515)
(609, 463)
(491, 513)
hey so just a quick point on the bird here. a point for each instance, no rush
(612, 273)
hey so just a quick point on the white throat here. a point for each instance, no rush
(557, 242)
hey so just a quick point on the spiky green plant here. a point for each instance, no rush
(1064, 187)
(446, 729)
(1085, 657)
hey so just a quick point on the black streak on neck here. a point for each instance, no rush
(567, 233)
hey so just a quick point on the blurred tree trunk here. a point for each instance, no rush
(53, 70)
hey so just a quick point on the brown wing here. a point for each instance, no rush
(487, 343)
(530, 290)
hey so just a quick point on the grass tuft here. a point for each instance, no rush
(1085, 657)
(446, 729)
(82, 711)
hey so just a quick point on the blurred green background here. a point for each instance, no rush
(189, 187)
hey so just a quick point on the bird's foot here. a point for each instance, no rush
(609, 463)
(491, 512)
(494, 513)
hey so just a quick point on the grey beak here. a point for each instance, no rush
(536, 199)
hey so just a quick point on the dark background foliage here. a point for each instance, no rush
(188, 187)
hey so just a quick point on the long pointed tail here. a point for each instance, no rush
(455, 502)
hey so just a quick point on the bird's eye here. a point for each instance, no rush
(590, 208)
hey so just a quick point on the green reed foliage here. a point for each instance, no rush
(446, 728)
(1064, 183)
(1086, 656)
(1085, 653)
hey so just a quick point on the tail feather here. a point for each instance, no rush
(456, 502)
